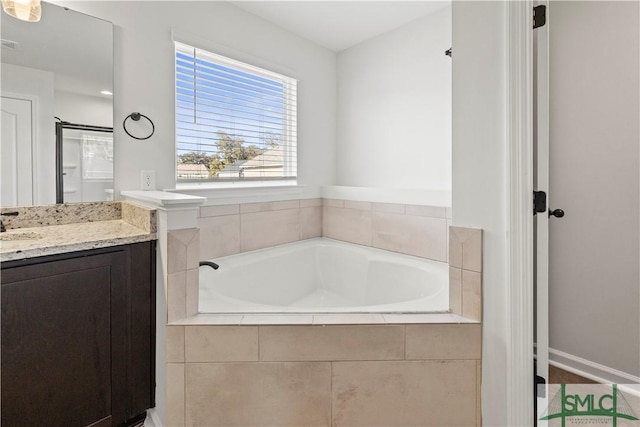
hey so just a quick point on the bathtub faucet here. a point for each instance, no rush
(210, 264)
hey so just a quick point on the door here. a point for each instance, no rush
(541, 222)
(16, 152)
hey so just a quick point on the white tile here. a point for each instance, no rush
(472, 250)
(214, 343)
(175, 344)
(263, 229)
(277, 319)
(192, 289)
(455, 248)
(258, 394)
(219, 236)
(455, 290)
(193, 251)
(348, 319)
(176, 296)
(404, 393)
(443, 341)
(350, 225)
(449, 222)
(388, 208)
(353, 204)
(310, 203)
(175, 394)
(414, 235)
(334, 203)
(310, 222)
(465, 248)
(430, 211)
(176, 254)
(449, 213)
(472, 295)
(331, 342)
(461, 319)
(269, 206)
(210, 319)
(207, 211)
(420, 318)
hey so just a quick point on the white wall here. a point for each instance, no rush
(84, 109)
(144, 82)
(18, 80)
(144, 79)
(479, 176)
(594, 292)
(394, 108)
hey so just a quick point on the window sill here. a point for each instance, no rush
(221, 194)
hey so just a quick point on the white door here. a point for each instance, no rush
(16, 152)
(541, 183)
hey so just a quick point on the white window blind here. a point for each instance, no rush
(234, 121)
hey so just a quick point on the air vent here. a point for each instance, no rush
(10, 44)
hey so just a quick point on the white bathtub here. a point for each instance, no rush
(324, 276)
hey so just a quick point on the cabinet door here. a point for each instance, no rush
(62, 323)
(142, 329)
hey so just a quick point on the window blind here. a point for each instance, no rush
(234, 121)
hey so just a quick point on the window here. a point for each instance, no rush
(97, 157)
(234, 121)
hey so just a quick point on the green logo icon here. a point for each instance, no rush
(613, 406)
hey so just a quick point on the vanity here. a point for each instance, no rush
(77, 279)
(78, 314)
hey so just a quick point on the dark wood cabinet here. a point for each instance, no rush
(78, 338)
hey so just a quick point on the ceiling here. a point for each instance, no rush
(77, 48)
(338, 25)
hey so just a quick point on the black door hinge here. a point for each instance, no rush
(539, 16)
(539, 202)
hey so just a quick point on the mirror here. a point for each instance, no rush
(57, 136)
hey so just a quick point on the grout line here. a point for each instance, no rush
(404, 340)
(240, 230)
(331, 392)
(259, 328)
(184, 394)
(184, 344)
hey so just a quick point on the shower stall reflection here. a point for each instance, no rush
(84, 163)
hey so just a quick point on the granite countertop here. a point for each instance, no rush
(47, 230)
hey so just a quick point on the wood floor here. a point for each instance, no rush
(559, 376)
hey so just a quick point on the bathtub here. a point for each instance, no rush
(324, 276)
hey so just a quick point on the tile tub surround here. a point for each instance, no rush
(325, 370)
(409, 229)
(183, 256)
(347, 375)
(65, 228)
(231, 229)
(465, 272)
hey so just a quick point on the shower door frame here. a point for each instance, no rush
(60, 127)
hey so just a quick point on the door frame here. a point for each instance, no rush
(519, 175)
(35, 137)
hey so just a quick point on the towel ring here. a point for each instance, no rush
(136, 117)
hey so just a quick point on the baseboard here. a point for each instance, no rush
(152, 419)
(594, 371)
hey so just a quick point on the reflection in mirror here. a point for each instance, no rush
(53, 73)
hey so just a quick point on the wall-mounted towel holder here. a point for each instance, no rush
(136, 117)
